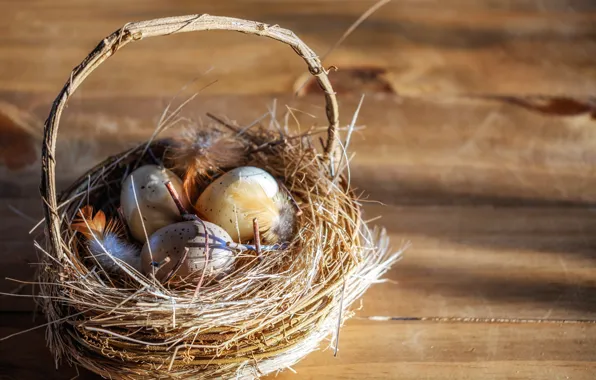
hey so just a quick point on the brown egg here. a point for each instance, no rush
(154, 200)
(172, 241)
(233, 200)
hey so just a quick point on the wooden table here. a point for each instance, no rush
(480, 140)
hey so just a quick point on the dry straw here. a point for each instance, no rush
(263, 317)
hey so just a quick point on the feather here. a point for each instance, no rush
(117, 248)
(283, 229)
(275, 215)
(201, 153)
(105, 237)
(88, 225)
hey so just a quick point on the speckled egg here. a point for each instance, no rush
(171, 241)
(154, 201)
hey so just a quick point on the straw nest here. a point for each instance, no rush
(262, 317)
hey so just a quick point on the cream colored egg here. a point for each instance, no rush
(233, 200)
(172, 241)
(155, 203)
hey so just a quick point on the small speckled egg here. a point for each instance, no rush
(154, 201)
(233, 200)
(171, 241)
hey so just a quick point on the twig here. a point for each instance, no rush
(162, 262)
(255, 227)
(255, 122)
(347, 142)
(224, 123)
(355, 25)
(44, 325)
(176, 198)
(206, 233)
(177, 266)
(134, 193)
(285, 140)
(200, 283)
(16, 290)
(251, 247)
(341, 307)
(269, 144)
(156, 160)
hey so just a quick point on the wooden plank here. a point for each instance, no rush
(509, 370)
(384, 350)
(467, 261)
(422, 49)
(438, 151)
(414, 350)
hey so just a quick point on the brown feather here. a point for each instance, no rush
(90, 225)
(200, 154)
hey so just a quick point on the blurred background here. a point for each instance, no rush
(477, 133)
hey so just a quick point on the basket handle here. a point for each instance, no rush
(161, 27)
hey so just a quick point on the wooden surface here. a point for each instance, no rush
(480, 140)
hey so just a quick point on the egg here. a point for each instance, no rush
(155, 203)
(166, 247)
(233, 200)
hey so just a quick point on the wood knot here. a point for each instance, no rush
(350, 80)
(556, 105)
(314, 70)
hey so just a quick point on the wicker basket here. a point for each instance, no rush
(261, 319)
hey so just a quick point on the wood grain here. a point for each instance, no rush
(389, 350)
(426, 48)
(458, 150)
(477, 133)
